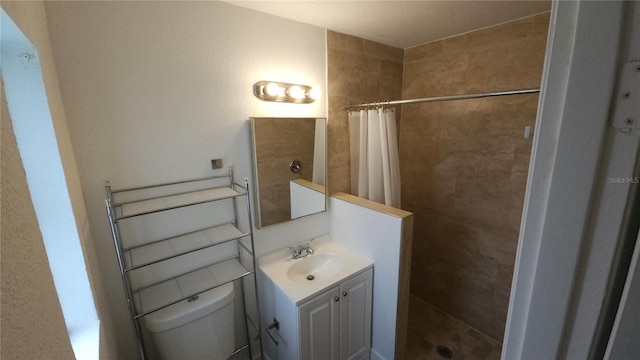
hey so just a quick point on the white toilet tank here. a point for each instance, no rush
(199, 329)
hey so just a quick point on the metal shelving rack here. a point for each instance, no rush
(140, 296)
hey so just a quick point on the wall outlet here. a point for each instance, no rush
(216, 163)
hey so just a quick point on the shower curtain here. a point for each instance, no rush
(375, 168)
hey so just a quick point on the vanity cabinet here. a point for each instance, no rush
(355, 316)
(335, 324)
(320, 325)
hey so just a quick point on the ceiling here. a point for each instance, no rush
(401, 24)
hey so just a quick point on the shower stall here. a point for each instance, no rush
(463, 166)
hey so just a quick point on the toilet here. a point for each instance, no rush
(201, 327)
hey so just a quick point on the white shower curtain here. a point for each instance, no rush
(375, 168)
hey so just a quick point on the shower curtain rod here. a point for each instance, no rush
(445, 98)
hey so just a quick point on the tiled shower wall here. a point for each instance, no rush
(464, 165)
(358, 71)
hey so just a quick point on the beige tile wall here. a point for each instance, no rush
(464, 165)
(358, 71)
(279, 141)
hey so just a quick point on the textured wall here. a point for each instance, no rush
(464, 165)
(30, 17)
(279, 141)
(32, 323)
(154, 90)
(358, 70)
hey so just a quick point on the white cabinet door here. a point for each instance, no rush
(320, 326)
(355, 317)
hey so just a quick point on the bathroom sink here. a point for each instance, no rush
(317, 267)
(300, 279)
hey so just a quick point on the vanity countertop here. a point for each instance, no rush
(330, 264)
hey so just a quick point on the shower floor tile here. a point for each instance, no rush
(430, 328)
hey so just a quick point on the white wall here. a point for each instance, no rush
(36, 139)
(306, 200)
(30, 17)
(154, 90)
(623, 342)
(377, 236)
(573, 217)
(28, 297)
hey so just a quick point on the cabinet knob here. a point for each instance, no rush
(344, 294)
(337, 298)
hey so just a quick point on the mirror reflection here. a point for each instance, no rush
(289, 168)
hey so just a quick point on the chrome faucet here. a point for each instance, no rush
(301, 250)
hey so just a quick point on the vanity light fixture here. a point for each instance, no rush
(296, 92)
(284, 92)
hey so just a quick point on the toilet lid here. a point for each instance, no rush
(186, 311)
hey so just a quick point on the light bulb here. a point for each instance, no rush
(273, 89)
(314, 93)
(296, 92)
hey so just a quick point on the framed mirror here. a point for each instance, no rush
(290, 172)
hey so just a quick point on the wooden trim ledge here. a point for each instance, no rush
(389, 210)
(309, 184)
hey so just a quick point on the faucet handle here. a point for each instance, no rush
(295, 251)
(310, 251)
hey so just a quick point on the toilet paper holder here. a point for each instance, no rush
(274, 325)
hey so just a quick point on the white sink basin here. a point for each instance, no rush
(317, 267)
(330, 264)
